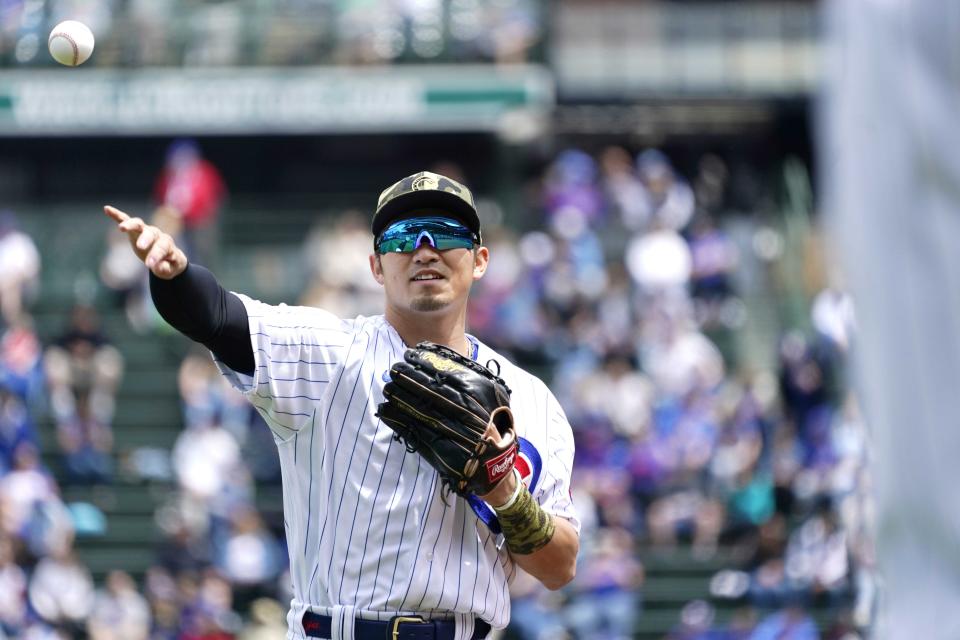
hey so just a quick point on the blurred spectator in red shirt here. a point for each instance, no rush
(191, 188)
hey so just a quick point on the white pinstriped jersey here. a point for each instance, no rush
(366, 526)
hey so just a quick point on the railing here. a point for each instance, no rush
(281, 32)
(631, 49)
(597, 49)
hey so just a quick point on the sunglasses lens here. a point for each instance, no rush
(397, 244)
(440, 233)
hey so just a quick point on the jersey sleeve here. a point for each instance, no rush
(553, 491)
(296, 351)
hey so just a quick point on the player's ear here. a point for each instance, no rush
(481, 257)
(376, 267)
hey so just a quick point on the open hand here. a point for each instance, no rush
(155, 248)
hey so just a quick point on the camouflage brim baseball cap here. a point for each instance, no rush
(426, 191)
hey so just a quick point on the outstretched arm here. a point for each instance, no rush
(189, 296)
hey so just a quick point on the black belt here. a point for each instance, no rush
(397, 628)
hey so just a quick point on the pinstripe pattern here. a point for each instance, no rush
(366, 525)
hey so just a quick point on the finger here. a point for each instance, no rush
(134, 225)
(161, 250)
(115, 214)
(147, 238)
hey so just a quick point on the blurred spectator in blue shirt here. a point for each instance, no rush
(207, 610)
(86, 444)
(21, 370)
(16, 427)
(571, 185)
(714, 258)
(26, 484)
(792, 623)
(696, 623)
(624, 191)
(249, 556)
(607, 588)
(160, 590)
(207, 399)
(670, 197)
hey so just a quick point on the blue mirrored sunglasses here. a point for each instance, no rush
(404, 236)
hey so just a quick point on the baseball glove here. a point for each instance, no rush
(440, 404)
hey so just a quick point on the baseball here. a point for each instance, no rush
(70, 43)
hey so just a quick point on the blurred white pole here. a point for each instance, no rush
(890, 164)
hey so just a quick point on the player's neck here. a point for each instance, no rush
(446, 329)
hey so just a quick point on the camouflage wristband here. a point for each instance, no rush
(526, 526)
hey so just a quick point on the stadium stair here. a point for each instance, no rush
(70, 241)
(148, 411)
(676, 577)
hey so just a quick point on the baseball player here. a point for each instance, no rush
(394, 529)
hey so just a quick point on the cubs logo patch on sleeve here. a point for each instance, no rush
(529, 463)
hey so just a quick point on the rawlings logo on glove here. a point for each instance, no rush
(499, 467)
(445, 407)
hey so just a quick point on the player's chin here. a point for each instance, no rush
(429, 303)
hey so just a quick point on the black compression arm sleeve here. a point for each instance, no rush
(197, 306)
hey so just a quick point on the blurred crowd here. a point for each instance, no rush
(632, 286)
(283, 33)
(625, 296)
(69, 383)
(216, 556)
